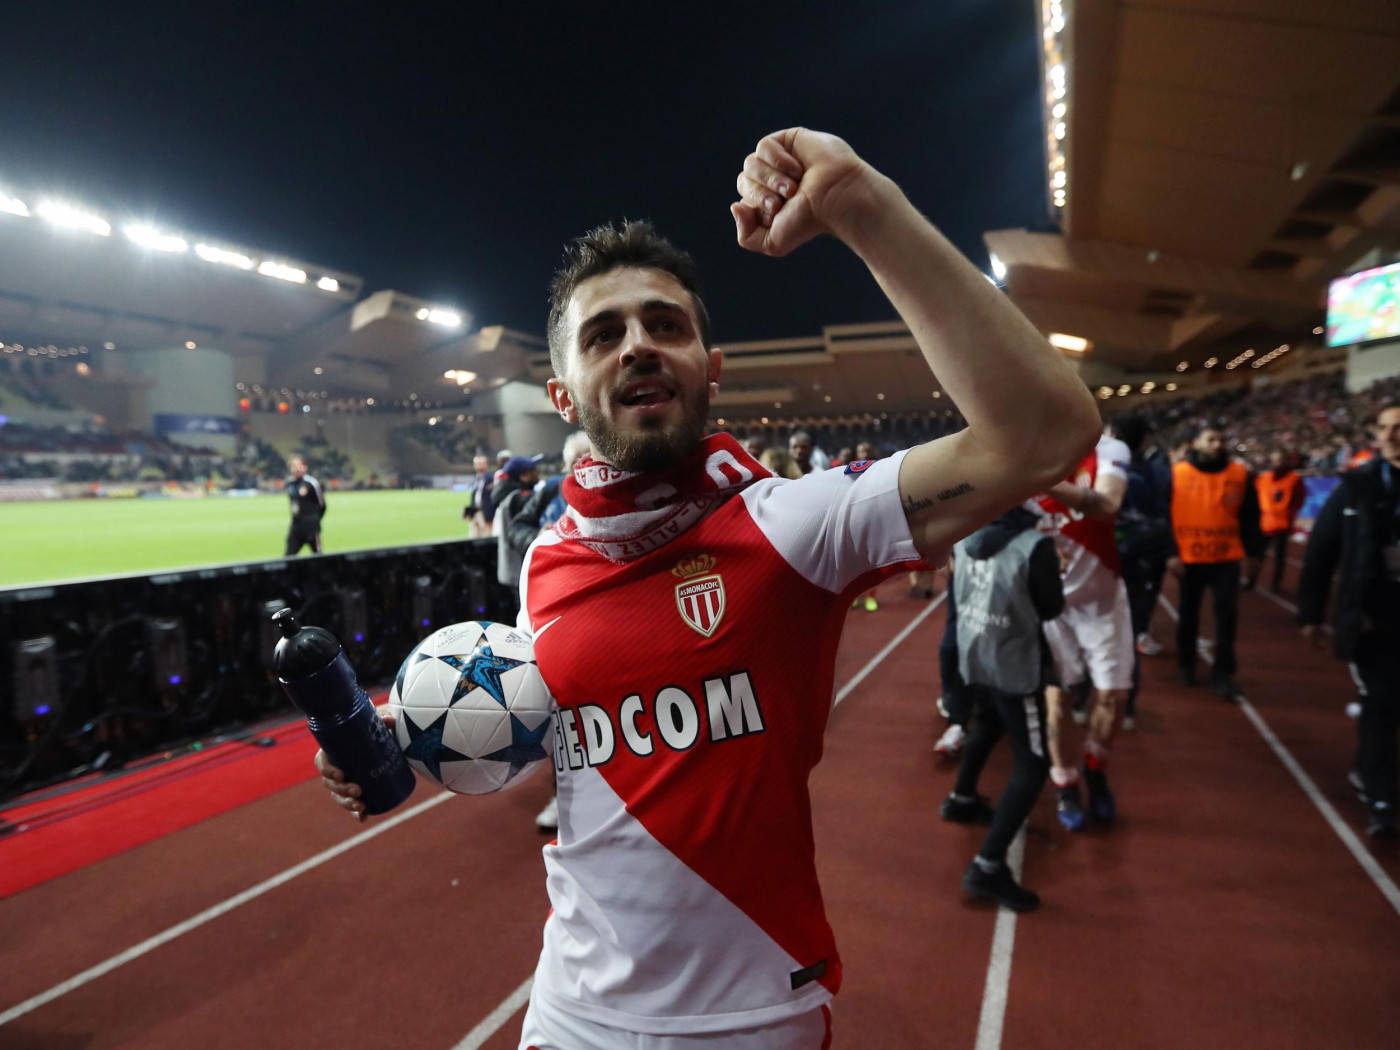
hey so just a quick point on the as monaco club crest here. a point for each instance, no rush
(700, 594)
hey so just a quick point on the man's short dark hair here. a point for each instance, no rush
(605, 248)
(1131, 429)
(1386, 406)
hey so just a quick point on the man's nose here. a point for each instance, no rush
(638, 345)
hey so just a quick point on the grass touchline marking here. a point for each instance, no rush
(994, 993)
(1368, 863)
(209, 914)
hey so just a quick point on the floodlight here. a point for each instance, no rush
(209, 253)
(69, 217)
(283, 272)
(998, 267)
(1074, 343)
(328, 284)
(438, 315)
(13, 205)
(150, 237)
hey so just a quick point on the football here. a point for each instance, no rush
(470, 708)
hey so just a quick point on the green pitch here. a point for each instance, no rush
(51, 540)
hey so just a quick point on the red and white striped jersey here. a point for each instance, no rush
(1089, 544)
(692, 687)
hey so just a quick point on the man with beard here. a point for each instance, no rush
(1215, 522)
(686, 609)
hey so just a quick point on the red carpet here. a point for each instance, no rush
(62, 830)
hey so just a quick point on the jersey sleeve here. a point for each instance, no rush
(835, 526)
(1114, 458)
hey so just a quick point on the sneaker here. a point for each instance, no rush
(1382, 825)
(958, 809)
(1148, 646)
(1079, 715)
(1068, 809)
(999, 885)
(1226, 688)
(951, 742)
(1353, 709)
(548, 818)
(870, 603)
(1130, 722)
(1101, 804)
(1359, 786)
(1186, 676)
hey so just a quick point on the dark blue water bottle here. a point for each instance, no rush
(313, 670)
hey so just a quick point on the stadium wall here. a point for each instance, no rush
(364, 438)
(1370, 362)
(187, 382)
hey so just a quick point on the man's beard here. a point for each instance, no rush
(654, 448)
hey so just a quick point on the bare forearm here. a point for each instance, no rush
(1087, 501)
(1020, 398)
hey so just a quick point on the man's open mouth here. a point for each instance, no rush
(645, 393)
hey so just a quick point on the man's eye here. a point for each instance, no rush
(600, 336)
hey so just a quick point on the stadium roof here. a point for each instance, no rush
(1221, 160)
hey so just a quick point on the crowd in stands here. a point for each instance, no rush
(1314, 417)
(26, 389)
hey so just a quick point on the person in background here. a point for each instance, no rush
(1144, 539)
(1358, 531)
(576, 445)
(1215, 525)
(513, 538)
(1006, 576)
(800, 448)
(1280, 493)
(479, 509)
(780, 463)
(843, 456)
(308, 508)
(952, 699)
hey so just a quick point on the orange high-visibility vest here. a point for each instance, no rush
(1276, 501)
(1206, 512)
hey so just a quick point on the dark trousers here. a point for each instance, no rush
(1143, 579)
(1223, 578)
(955, 697)
(1022, 720)
(1378, 666)
(304, 532)
(1278, 547)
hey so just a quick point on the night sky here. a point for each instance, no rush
(448, 152)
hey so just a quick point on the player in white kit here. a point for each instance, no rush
(691, 705)
(1093, 638)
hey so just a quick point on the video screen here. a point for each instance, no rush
(1363, 307)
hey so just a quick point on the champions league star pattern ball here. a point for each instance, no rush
(470, 708)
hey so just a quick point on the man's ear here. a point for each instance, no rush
(716, 362)
(562, 400)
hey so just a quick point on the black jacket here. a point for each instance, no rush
(1354, 526)
(524, 507)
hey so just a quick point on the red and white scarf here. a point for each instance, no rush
(623, 515)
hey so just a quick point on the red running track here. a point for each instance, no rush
(1222, 911)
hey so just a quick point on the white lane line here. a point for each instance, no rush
(182, 928)
(889, 648)
(994, 993)
(493, 1021)
(1368, 863)
(503, 1013)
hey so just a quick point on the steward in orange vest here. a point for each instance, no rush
(1280, 492)
(1215, 522)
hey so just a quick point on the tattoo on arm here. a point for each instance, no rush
(912, 506)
